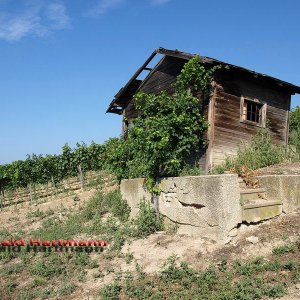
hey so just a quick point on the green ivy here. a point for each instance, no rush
(167, 130)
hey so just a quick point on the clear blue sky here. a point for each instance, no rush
(61, 62)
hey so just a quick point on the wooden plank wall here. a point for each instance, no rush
(226, 133)
(229, 133)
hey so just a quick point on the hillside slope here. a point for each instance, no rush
(88, 215)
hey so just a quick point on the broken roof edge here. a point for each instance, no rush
(114, 107)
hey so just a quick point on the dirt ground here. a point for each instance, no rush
(15, 217)
(153, 251)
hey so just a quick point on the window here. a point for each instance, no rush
(253, 112)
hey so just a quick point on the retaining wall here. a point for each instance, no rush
(207, 205)
(285, 188)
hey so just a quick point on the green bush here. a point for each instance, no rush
(147, 221)
(295, 118)
(261, 152)
(111, 202)
(111, 292)
(281, 250)
(67, 289)
(294, 136)
(168, 128)
(191, 171)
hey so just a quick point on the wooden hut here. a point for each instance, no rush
(240, 101)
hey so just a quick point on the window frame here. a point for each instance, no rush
(263, 110)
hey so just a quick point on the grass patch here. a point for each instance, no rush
(67, 289)
(147, 221)
(244, 280)
(261, 152)
(281, 250)
(105, 217)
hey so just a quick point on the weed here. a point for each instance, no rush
(13, 269)
(11, 286)
(67, 289)
(111, 292)
(82, 276)
(38, 281)
(111, 202)
(191, 171)
(140, 271)
(173, 272)
(147, 221)
(128, 257)
(243, 280)
(276, 291)
(51, 268)
(281, 250)
(261, 152)
(81, 259)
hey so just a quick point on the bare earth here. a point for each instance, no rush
(151, 252)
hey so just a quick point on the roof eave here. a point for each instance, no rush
(114, 107)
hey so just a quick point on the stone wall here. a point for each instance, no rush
(133, 191)
(206, 205)
(283, 187)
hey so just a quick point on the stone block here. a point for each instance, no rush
(207, 205)
(285, 188)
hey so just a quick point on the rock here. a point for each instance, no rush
(252, 239)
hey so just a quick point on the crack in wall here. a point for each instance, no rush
(194, 205)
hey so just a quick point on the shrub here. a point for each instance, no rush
(147, 221)
(175, 272)
(261, 152)
(294, 136)
(168, 128)
(191, 171)
(295, 118)
(281, 250)
(67, 289)
(111, 202)
(111, 292)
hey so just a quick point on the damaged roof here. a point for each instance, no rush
(126, 93)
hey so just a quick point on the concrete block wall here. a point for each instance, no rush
(204, 205)
(285, 188)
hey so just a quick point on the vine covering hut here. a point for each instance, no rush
(240, 101)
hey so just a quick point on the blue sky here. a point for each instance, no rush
(62, 61)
